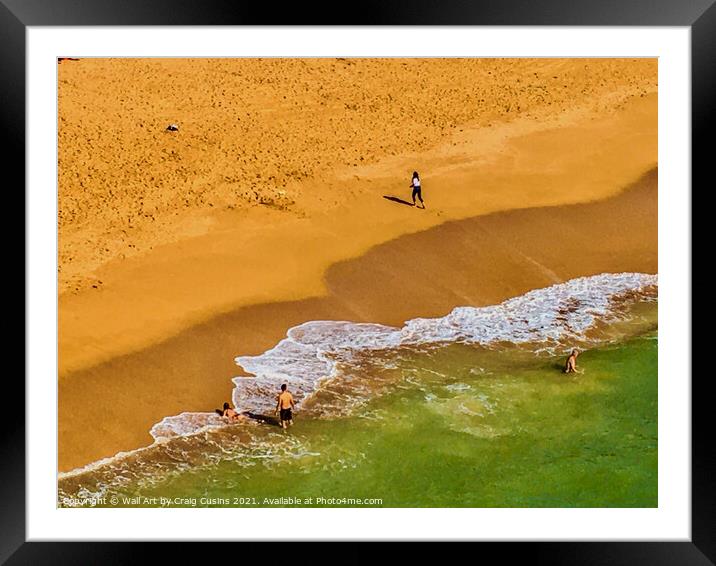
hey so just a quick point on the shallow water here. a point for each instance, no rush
(429, 425)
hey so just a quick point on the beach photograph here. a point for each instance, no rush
(357, 282)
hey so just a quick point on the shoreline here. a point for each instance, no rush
(282, 197)
(271, 255)
(490, 258)
(510, 409)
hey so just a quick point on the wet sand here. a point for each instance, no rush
(179, 252)
(477, 261)
(249, 257)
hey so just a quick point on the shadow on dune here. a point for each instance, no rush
(398, 200)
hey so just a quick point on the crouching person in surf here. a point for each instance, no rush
(230, 414)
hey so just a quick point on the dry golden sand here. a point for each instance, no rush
(179, 251)
(253, 132)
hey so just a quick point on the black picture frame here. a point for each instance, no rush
(17, 15)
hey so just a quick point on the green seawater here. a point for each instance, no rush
(456, 426)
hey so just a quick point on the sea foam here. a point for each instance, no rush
(185, 423)
(311, 352)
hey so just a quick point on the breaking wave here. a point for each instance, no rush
(312, 353)
(327, 366)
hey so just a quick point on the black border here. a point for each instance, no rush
(16, 15)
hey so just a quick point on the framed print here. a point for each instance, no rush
(421, 276)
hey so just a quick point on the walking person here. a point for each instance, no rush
(415, 183)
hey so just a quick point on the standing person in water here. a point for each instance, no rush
(284, 405)
(571, 365)
(415, 183)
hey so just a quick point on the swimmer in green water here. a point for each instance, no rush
(571, 365)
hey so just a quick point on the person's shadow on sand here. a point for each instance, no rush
(265, 419)
(398, 200)
(262, 418)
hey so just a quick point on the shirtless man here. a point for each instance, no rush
(284, 405)
(571, 365)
